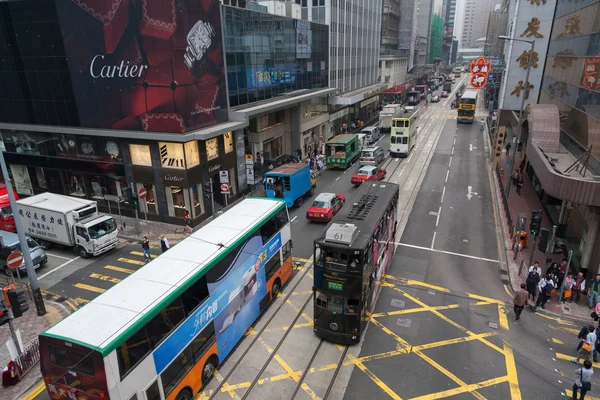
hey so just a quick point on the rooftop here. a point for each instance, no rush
(342, 139)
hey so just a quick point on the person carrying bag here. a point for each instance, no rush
(583, 380)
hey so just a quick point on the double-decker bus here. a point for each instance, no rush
(457, 72)
(403, 136)
(413, 97)
(466, 107)
(161, 332)
(351, 259)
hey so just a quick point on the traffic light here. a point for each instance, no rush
(536, 222)
(207, 190)
(544, 237)
(134, 199)
(17, 301)
(3, 315)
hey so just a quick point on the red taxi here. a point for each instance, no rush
(325, 206)
(368, 173)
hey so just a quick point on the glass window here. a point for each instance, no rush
(171, 155)
(204, 339)
(71, 359)
(272, 266)
(195, 295)
(178, 199)
(140, 155)
(269, 229)
(132, 351)
(175, 372)
(75, 183)
(282, 218)
(287, 250)
(320, 299)
(352, 306)
(150, 198)
(161, 325)
(335, 304)
(336, 260)
(192, 156)
(197, 203)
(152, 393)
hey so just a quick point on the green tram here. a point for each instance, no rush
(342, 151)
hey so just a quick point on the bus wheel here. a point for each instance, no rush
(299, 202)
(209, 369)
(185, 394)
(275, 288)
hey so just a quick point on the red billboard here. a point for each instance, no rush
(479, 72)
(144, 64)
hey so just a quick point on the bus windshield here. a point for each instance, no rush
(468, 101)
(465, 113)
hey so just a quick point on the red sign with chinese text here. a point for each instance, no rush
(590, 73)
(479, 72)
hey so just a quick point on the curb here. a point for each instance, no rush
(30, 392)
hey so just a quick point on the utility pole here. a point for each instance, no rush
(550, 246)
(562, 285)
(11, 326)
(35, 288)
(532, 251)
(212, 197)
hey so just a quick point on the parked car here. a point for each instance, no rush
(444, 94)
(372, 155)
(325, 206)
(368, 173)
(11, 240)
(435, 99)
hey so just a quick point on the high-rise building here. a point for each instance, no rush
(475, 21)
(435, 46)
(424, 14)
(497, 26)
(450, 16)
(393, 61)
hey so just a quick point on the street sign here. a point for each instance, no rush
(250, 176)
(14, 260)
(224, 176)
(224, 188)
(249, 160)
(142, 193)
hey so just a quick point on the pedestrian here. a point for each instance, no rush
(537, 267)
(578, 288)
(520, 301)
(583, 380)
(508, 145)
(533, 279)
(552, 270)
(146, 248)
(164, 243)
(515, 178)
(258, 158)
(520, 184)
(586, 351)
(596, 313)
(188, 222)
(522, 166)
(593, 291)
(569, 282)
(545, 287)
(562, 269)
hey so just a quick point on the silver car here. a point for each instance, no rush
(372, 155)
(11, 241)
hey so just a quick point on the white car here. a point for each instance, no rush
(435, 99)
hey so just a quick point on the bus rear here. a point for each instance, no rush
(466, 107)
(73, 371)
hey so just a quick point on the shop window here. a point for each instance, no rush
(232, 182)
(198, 204)
(177, 201)
(41, 178)
(140, 154)
(171, 155)
(150, 204)
(74, 183)
(192, 156)
(21, 179)
(272, 149)
(228, 141)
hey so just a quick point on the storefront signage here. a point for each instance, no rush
(122, 70)
(172, 178)
(479, 72)
(213, 168)
(224, 176)
(369, 101)
(590, 73)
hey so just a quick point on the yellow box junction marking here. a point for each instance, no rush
(139, 253)
(502, 318)
(511, 372)
(89, 288)
(130, 261)
(119, 269)
(105, 278)
(561, 356)
(569, 394)
(557, 341)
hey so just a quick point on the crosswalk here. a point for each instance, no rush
(105, 274)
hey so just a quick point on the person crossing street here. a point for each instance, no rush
(520, 301)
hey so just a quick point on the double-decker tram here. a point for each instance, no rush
(466, 107)
(404, 134)
(351, 259)
(161, 332)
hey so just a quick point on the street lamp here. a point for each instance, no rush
(512, 163)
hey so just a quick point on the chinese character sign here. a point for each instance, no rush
(479, 72)
(590, 73)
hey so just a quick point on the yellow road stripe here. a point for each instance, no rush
(558, 320)
(557, 341)
(139, 253)
(375, 379)
(119, 269)
(488, 299)
(453, 341)
(225, 387)
(130, 261)
(502, 318)
(105, 278)
(568, 358)
(35, 392)
(569, 394)
(562, 328)
(413, 310)
(507, 291)
(411, 282)
(511, 372)
(460, 390)
(89, 287)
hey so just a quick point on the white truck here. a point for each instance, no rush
(385, 117)
(68, 221)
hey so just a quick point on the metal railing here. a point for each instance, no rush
(505, 205)
(29, 358)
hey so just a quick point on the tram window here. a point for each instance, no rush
(319, 256)
(405, 140)
(393, 140)
(335, 260)
(352, 306)
(356, 262)
(321, 300)
(335, 304)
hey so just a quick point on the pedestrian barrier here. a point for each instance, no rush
(29, 358)
(505, 206)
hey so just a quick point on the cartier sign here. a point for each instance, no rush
(122, 70)
(172, 178)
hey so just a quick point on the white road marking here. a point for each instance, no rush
(345, 171)
(443, 193)
(447, 172)
(450, 163)
(433, 241)
(57, 268)
(401, 172)
(437, 220)
(396, 159)
(338, 178)
(454, 142)
(446, 252)
(470, 194)
(57, 256)
(293, 219)
(452, 152)
(420, 139)
(411, 154)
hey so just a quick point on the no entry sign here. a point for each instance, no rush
(14, 260)
(142, 193)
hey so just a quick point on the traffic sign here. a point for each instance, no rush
(224, 176)
(250, 176)
(249, 160)
(224, 188)
(142, 193)
(14, 260)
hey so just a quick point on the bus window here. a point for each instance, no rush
(272, 266)
(195, 295)
(152, 393)
(72, 360)
(268, 230)
(204, 339)
(132, 351)
(177, 370)
(282, 218)
(161, 325)
(352, 306)
(336, 261)
(287, 250)
(335, 304)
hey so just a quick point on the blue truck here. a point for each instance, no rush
(290, 182)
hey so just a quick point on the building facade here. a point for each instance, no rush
(475, 22)
(450, 16)
(497, 26)
(91, 110)
(424, 15)
(435, 46)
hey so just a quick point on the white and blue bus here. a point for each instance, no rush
(161, 332)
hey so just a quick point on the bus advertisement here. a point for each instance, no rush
(161, 332)
(466, 107)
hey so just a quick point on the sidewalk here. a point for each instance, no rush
(30, 325)
(518, 264)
